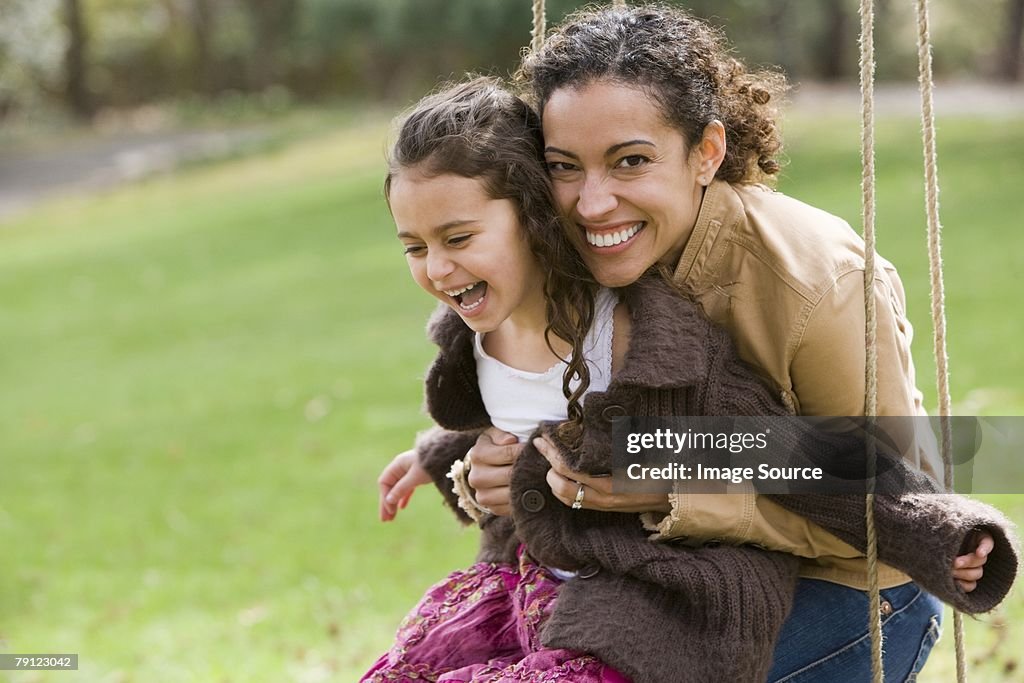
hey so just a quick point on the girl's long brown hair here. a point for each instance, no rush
(478, 129)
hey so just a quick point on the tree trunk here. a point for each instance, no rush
(834, 43)
(1010, 61)
(780, 23)
(204, 68)
(76, 89)
(273, 21)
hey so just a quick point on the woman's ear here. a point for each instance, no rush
(711, 150)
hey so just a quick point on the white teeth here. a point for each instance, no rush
(456, 292)
(472, 305)
(612, 238)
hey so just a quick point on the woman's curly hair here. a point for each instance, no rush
(479, 129)
(680, 61)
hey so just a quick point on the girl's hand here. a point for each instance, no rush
(490, 472)
(397, 483)
(597, 491)
(968, 569)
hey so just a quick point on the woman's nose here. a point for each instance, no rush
(596, 199)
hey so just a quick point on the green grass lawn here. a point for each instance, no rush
(204, 374)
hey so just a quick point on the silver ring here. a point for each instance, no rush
(578, 503)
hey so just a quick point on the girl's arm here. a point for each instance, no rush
(436, 449)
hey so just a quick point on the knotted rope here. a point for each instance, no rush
(867, 88)
(938, 296)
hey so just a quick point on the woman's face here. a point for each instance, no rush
(624, 177)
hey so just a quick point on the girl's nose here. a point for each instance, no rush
(439, 266)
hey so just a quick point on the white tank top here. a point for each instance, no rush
(517, 400)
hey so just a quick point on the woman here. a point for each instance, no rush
(656, 140)
(526, 338)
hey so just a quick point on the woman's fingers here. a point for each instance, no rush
(967, 586)
(566, 490)
(602, 485)
(974, 574)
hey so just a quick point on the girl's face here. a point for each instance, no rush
(466, 249)
(624, 177)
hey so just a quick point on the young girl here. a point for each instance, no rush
(523, 335)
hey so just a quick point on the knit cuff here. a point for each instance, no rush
(921, 534)
(670, 527)
(725, 517)
(953, 520)
(460, 486)
(437, 450)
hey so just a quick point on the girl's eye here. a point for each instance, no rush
(414, 249)
(458, 239)
(633, 161)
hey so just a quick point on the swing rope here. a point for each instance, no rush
(938, 296)
(867, 88)
(537, 34)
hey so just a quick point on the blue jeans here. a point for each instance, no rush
(826, 636)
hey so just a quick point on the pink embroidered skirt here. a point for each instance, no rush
(483, 625)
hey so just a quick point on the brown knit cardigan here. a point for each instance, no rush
(658, 611)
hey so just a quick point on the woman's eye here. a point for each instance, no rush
(633, 161)
(560, 167)
(458, 239)
(414, 249)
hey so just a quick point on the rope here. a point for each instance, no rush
(938, 297)
(867, 75)
(537, 34)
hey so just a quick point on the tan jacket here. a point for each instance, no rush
(787, 281)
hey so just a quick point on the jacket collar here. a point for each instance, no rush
(667, 349)
(452, 391)
(720, 208)
(669, 336)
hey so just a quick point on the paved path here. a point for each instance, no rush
(28, 177)
(899, 99)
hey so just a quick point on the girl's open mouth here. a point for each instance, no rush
(471, 297)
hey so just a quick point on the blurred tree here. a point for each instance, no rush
(273, 25)
(32, 47)
(204, 68)
(780, 24)
(834, 42)
(99, 53)
(1013, 42)
(76, 87)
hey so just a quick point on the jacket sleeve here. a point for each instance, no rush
(743, 517)
(437, 449)
(921, 534)
(827, 368)
(920, 530)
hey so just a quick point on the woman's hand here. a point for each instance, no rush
(968, 569)
(397, 483)
(490, 471)
(597, 491)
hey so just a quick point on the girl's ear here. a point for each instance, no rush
(711, 149)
